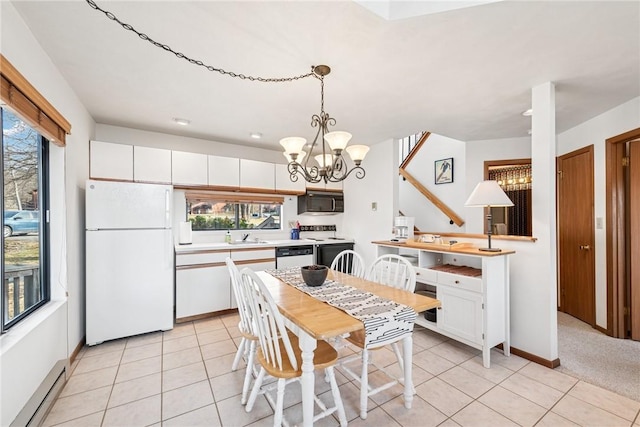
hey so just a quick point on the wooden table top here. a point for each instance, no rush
(322, 321)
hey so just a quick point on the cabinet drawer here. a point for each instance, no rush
(424, 275)
(462, 282)
(201, 257)
(262, 253)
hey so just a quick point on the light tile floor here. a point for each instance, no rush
(183, 378)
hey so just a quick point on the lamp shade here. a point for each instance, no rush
(357, 152)
(488, 193)
(327, 161)
(293, 144)
(299, 159)
(338, 140)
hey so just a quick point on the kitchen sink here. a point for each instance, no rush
(248, 242)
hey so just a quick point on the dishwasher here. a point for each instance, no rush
(294, 256)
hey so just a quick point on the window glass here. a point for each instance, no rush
(25, 284)
(224, 215)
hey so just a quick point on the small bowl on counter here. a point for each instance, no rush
(314, 275)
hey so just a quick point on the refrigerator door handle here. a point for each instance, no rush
(167, 208)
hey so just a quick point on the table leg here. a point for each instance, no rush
(307, 380)
(407, 350)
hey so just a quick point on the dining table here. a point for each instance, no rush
(312, 320)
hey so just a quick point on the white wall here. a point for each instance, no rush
(595, 132)
(30, 350)
(412, 202)
(378, 186)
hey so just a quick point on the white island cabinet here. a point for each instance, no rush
(473, 289)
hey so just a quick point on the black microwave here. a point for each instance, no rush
(321, 202)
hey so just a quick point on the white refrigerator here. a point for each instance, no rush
(129, 259)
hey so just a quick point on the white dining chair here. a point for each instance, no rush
(249, 337)
(349, 262)
(279, 352)
(397, 272)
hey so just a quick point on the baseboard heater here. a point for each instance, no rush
(40, 403)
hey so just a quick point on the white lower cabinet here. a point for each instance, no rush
(474, 309)
(201, 290)
(203, 285)
(257, 259)
(461, 313)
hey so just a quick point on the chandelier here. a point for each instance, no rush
(332, 166)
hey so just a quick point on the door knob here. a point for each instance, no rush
(585, 247)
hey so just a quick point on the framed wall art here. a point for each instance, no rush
(444, 171)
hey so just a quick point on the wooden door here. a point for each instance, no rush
(576, 256)
(634, 238)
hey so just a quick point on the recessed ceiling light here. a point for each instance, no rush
(255, 135)
(181, 122)
(527, 112)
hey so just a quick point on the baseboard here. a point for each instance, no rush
(42, 400)
(603, 330)
(552, 364)
(206, 315)
(75, 352)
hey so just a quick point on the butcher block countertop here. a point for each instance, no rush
(459, 248)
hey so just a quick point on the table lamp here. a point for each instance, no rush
(488, 194)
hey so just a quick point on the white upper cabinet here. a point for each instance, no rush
(111, 161)
(334, 186)
(151, 165)
(254, 174)
(224, 171)
(284, 183)
(189, 168)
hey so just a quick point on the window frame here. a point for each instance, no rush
(44, 230)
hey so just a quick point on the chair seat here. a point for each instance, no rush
(323, 356)
(248, 335)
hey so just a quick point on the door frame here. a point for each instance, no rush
(589, 149)
(616, 239)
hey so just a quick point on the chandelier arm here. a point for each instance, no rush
(197, 62)
(310, 175)
(359, 173)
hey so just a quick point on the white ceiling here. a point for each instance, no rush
(466, 73)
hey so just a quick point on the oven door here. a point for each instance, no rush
(325, 254)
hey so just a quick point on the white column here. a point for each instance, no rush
(543, 165)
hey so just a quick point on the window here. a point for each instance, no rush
(25, 285)
(231, 211)
(514, 177)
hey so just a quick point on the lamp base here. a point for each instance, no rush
(490, 249)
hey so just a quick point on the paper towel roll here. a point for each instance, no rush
(185, 233)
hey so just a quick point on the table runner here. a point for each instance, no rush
(384, 320)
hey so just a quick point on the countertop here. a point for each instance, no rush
(259, 244)
(463, 248)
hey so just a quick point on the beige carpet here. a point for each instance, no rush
(585, 353)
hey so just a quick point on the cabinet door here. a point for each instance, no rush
(284, 183)
(256, 259)
(201, 290)
(111, 161)
(224, 171)
(188, 168)
(257, 265)
(255, 174)
(151, 165)
(461, 313)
